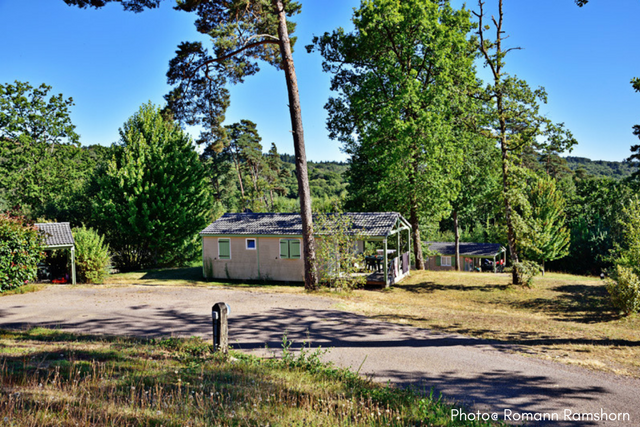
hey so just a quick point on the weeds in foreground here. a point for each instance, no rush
(52, 378)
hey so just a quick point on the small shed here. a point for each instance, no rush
(471, 255)
(268, 246)
(58, 236)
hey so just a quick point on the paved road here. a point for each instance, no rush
(479, 373)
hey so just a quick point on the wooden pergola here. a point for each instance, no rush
(400, 224)
(58, 236)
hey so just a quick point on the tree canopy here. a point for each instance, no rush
(546, 237)
(402, 78)
(516, 124)
(154, 197)
(39, 147)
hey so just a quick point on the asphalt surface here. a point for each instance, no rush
(481, 374)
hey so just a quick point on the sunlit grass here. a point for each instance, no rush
(31, 287)
(59, 378)
(563, 317)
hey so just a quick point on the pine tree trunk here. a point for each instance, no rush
(456, 233)
(237, 164)
(310, 271)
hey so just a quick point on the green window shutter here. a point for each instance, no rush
(224, 249)
(438, 261)
(294, 249)
(453, 261)
(284, 249)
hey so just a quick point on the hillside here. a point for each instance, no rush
(326, 179)
(601, 168)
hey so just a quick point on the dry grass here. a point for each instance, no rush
(53, 378)
(565, 318)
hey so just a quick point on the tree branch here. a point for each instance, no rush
(273, 40)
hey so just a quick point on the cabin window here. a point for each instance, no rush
(224, 249)
(290, 248)
(445, 261)
(251, 244)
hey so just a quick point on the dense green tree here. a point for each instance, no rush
(546, 238)
(242, 138)
(592, 214)
(39, 149)
(154, 196)
(516, 125)
(275, 174)
(624, 287)
(73, 184)
(402, 79)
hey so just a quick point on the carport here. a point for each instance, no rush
(58, 235)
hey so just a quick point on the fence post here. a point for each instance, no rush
(219, 314)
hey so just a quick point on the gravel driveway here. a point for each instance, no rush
(479, 373)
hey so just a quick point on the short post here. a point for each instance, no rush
(219, 314)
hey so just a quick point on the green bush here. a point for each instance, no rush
(21, 248)
(527, 271)
(337, 260)
(624, 289)
(92, 256)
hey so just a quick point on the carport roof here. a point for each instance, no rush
(56, 233)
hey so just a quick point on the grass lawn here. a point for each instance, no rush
(53, 378)
(563, 317)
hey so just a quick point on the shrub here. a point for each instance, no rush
(92, 256)
(527, 271)
(624, 289)
(21, 248)
(335, 248)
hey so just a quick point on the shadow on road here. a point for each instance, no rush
(494, 389)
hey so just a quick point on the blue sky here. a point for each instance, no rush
(110, 62)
